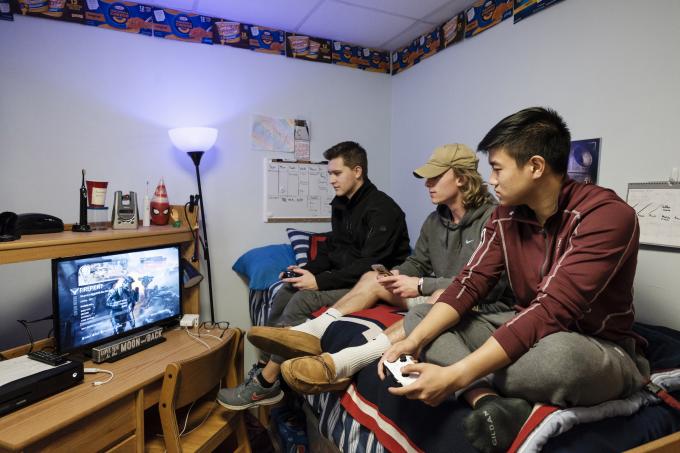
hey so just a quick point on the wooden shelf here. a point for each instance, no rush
(33, 247)
(56, 245)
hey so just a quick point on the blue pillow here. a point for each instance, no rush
(262, 265)
(299, 239)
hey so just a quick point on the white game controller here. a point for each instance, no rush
(394, 369)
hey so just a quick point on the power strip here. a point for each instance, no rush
(189, 321)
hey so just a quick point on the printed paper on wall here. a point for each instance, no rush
(404, 58)
(273, 134)
(230, 33)
(308, 48)
(453, 30)
(525, 8)
(188, 27)
(266, 40)
(427, 45)
(366, 58)
(378, 60)
(484, 14)
(122, 16)
(5, 11)
(584, 159)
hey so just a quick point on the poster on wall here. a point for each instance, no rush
(525, 8)
(181, 26)
(302, 148)
(584, 159)
(346, 54)
(273, 134)
(230, 33)
(308, 48)
(74, 11)
(5, 11)
(358, 57)
(266, 40)
(404, 58)
(121, 16)
(428, 45)
(378, 60)
(485, 14)
(453, 30)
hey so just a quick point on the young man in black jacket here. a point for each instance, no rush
(368, 227)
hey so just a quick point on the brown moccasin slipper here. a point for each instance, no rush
(312, 375)
(284, 342)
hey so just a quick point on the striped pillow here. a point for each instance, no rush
(300, 239)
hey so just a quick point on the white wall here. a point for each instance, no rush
(610, 67)
(74, 97)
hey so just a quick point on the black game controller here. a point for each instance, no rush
(290, 274)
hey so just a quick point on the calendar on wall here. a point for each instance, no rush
(296, 191)
(657, 205)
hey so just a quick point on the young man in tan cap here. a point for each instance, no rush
(447, 239)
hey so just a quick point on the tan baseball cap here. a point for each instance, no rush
(445, 157)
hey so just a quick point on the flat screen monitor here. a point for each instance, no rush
(98, 298)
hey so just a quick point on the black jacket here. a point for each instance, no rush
(369, 228)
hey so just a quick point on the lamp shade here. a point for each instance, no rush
(193, 138)
(190, 275)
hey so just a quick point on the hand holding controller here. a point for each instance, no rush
(394, 369)
(290, 274)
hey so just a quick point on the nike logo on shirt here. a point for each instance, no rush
(468, 241)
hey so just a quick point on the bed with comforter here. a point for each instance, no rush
(367, 418)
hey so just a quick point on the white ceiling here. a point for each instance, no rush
(382, 24)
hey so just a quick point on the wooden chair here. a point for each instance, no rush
(196, 381)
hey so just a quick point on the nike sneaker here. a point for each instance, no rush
(250, 394)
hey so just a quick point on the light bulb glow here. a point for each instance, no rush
(193, 138)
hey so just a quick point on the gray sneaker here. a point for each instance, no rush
(250, 394)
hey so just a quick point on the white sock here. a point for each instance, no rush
(318, 325)
(350, 360)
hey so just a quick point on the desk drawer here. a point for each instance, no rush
(98, 431)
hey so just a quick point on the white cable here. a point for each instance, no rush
(98, 370)
(213, 336)
(186, 419)
(196, 338)
(202, 421)
(204, 418)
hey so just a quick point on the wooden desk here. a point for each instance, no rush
(108, 417)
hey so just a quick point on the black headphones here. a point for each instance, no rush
(8, 227)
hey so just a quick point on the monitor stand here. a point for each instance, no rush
(125, 346)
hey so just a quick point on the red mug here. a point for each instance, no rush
(96, 193)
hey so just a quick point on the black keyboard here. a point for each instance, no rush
(48, 357)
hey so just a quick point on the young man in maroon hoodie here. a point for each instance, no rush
(570, 252)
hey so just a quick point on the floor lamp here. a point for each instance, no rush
(195, 141)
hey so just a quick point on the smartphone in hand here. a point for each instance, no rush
(382, 270)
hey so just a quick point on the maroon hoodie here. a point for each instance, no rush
(574, 274)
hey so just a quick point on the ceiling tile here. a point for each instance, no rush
(267, 13)
(448, 11)
(414, 10)
(344, 22)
